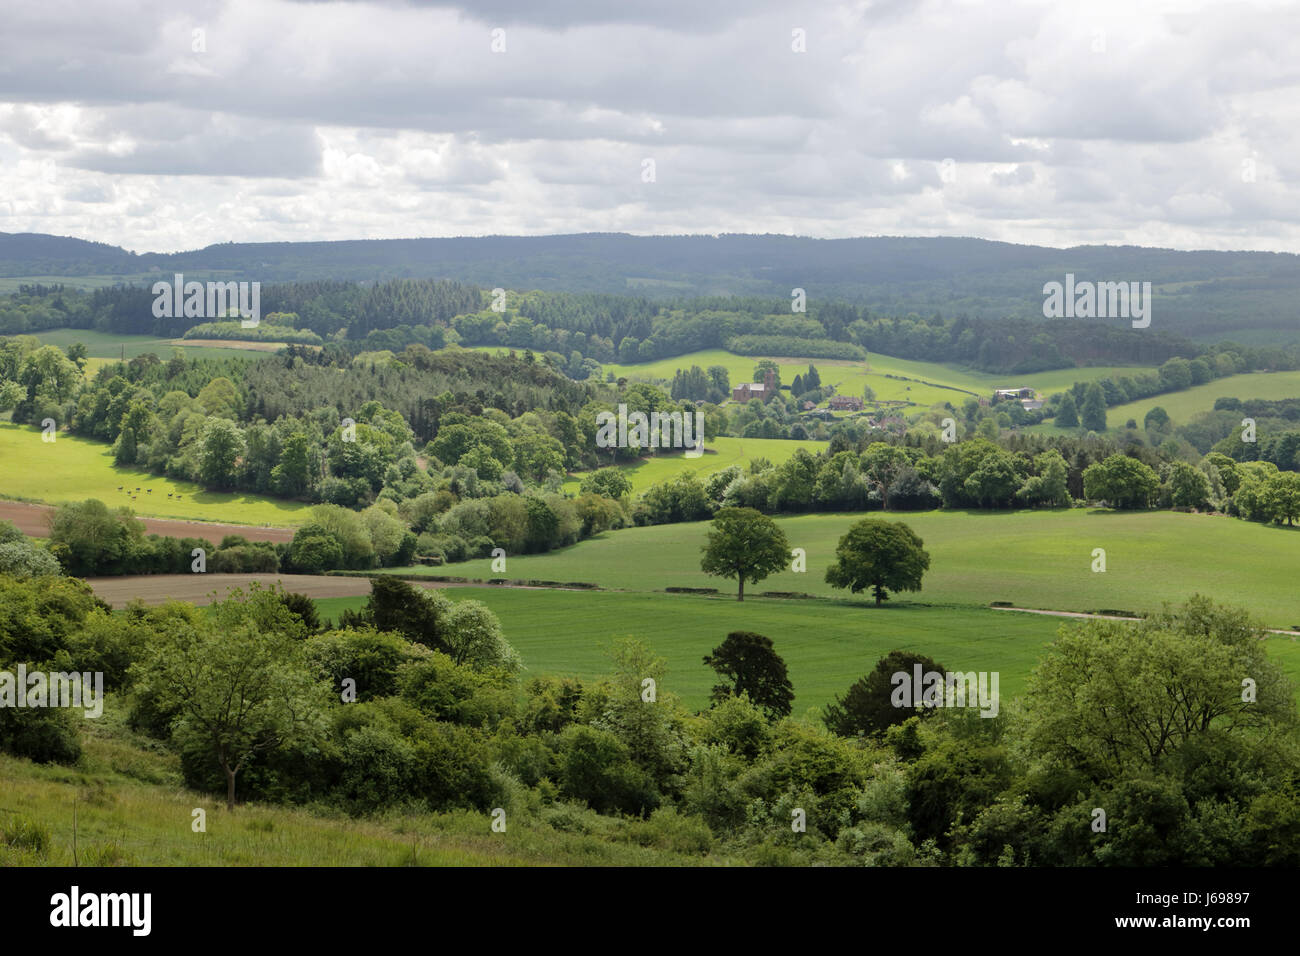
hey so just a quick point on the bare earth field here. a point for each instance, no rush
(199, 588)
(234, 344)
(32, 521)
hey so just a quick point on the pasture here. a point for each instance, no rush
(826, 644)
(720, 453)
(73, 469)
(927, 383)
(850, 377)
(105, 347)
(1185, 405)
(1037, 559)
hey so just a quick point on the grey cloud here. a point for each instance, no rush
(217, 146)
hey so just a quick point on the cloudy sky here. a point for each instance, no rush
(162, 125)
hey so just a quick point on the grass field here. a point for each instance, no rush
(13, 283)
(103, 347)
(73, 469)
(827, 644)
(1185, 405)
(850, 377)
(1038, 559)
(718, 454)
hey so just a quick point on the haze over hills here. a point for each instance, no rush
(1248, 296)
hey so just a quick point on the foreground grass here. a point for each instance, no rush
(1039, 559)
(132, 810)
(73, 469)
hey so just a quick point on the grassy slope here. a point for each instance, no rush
(718, 454)
(73, 469)
(1033, 558)
(850, 377)
(1185, 405)
(132, 810)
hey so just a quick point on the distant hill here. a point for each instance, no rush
(34, 254)
(1248, 296)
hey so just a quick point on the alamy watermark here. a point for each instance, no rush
(658, 430)
(53, 689)
(194, 300)
(75, 908)
(950, 689)
(1098, 300)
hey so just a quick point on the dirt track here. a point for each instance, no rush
(1114, 617)
(32, 521)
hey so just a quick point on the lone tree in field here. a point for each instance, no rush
(748, 664)
(882, 555)
(745, 545)
(867, 707)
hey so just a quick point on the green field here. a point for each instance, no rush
(107, 346)
(826, 644)
(73, 469)
(850, 378)
(1185, 405)
(13, 283)
(718, 454)
(1039, 559)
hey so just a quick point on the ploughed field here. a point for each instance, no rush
(33, 520)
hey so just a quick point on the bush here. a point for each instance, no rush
(371, 658)
(595, 766)
(45, 735)
(315, 550)
(792, 345)
(304, 608)
(668, 830)
(22, 559)
(23, 833)
(244, 559)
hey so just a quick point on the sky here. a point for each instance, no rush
(161, 125)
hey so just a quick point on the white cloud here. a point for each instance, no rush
(1067, 122)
